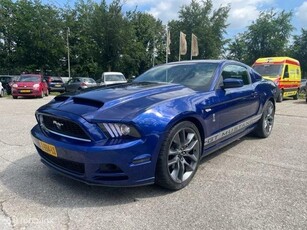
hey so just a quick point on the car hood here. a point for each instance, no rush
(117, 102)
(272, 78)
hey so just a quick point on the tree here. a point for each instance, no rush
(7, 45)
(298, 50)
(207, 24)
(147, 48)
(267, 36)
(80, 37)
(110, 32)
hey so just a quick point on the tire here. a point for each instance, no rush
(265, 124)
(47, 93)
(42, 94)
(15, 97)
(179, 156)
(295, 97)
(280, 96)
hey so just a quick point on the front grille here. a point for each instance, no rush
(63, 127)
(71, 166)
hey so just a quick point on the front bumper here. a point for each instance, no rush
(110, 164)
(24, 92)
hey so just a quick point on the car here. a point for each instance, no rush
(7, 82)
(157, 128)
(1, 90)
(65, 79)
(79, 83)
(30, 85)
(110, 78)
(284, 71)
(303, 86)
(55, 84)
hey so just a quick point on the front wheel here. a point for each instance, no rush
(280, 96)
(42, 94)
(295, 97)
(179, 156)
(265, 124)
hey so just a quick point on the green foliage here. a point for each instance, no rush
(299, 50)
(267, 36)
(37, 28)
(101, 37)
(207, 24)
(7, 22)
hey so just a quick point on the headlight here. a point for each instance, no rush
(35, 86)
(117, 130)
(15, 85)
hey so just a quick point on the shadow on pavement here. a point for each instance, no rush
(30, 179)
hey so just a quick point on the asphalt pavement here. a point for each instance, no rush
(251, 184)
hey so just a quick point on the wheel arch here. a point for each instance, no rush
(192, 118)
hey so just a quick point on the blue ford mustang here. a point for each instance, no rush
(157, 128)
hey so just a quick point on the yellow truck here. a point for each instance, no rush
(284, 71)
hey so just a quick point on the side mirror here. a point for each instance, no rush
(232, 83)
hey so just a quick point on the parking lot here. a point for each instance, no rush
(251, 184)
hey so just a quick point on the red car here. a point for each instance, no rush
(30, 85)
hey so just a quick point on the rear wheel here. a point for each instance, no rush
(265, 124)
(179, 156)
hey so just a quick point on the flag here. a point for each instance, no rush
(194, 46)
(168, 42)
(183, 44)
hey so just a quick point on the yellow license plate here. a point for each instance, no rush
(25, 91)
(50, 149)
(57, 85)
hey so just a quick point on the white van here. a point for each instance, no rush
(110, 78)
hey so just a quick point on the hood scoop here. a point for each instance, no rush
(61, 98)
(86, 101)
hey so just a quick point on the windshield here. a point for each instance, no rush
(270, 70)
(29, 79)
(197, 76)
(114, 77)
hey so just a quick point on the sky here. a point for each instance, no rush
(241, 15)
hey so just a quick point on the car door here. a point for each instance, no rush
(239, 103)
(231, 109)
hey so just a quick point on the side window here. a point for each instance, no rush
(237, 72)
(286, 72)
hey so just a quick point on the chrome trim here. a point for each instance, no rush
(66, 136)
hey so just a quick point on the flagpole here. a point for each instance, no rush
(167, 45)
(191, 46)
